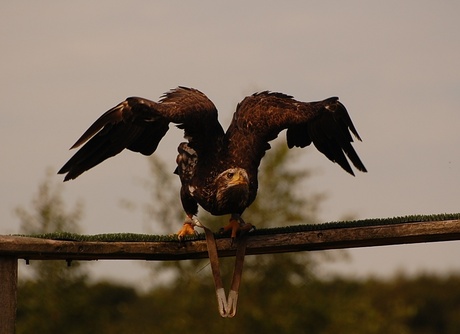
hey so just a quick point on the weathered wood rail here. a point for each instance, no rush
(13, 248)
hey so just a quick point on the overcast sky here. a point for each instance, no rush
(394, 64)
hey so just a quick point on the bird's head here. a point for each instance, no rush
(233, 189)
(232, 177)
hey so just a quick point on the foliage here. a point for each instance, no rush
(43, 298)
(279, 293)
(425, 304)
(49, 213)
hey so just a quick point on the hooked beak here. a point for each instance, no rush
(239, 178)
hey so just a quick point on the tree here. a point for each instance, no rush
(49, 213)
(52, 300)
(278, 294)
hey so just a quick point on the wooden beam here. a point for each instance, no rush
(327, 238)
(8, 293)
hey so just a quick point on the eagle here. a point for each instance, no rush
(218, 169)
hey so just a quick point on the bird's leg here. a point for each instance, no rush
(188, 227)
(236, 224)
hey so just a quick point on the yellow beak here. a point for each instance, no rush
(238, 178)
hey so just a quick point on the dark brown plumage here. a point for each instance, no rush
(218, 169)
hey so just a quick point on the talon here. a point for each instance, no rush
(187, 229)
(233, 226)
(236, 225)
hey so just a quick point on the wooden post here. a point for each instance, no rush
(8, 293)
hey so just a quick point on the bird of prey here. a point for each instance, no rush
(218, 169)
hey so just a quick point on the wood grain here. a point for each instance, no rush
(333, 238)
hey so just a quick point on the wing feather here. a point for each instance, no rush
(259, 118)
(139, 125)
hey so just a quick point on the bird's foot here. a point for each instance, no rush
(188, 228)
(237, 226)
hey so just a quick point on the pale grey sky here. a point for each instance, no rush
(395, 65)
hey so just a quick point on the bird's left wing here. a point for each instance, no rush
(139, 124)
(260, 117)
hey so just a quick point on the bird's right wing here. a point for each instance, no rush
(260, 117)
(139, 124)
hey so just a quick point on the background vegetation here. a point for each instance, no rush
(280, 293)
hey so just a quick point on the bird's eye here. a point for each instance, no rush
(230, 175)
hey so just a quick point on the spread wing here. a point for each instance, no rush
(139, 124)
(259, 118)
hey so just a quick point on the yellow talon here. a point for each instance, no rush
(187, 229)
(236, 226)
